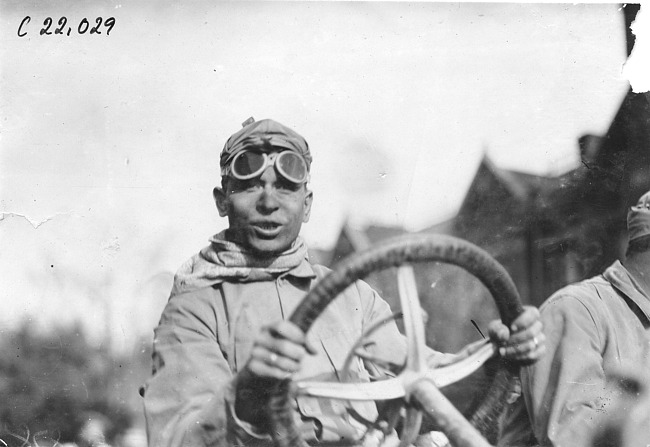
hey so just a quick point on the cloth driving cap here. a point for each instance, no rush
(263, 134)
(638, 218)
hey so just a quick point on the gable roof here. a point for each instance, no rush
(519, 186)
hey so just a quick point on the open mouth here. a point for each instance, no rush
(266, 229)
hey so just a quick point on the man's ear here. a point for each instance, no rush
(309, 197)
(221, 200)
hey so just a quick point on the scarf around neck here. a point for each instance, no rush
(224, 260)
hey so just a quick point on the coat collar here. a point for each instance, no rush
(620, 279)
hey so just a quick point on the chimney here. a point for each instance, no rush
(590, 148)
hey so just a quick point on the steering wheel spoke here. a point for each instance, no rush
(371, 358)
(470, 359)
(382, 390)
(413, 322)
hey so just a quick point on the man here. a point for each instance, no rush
(223, 336)
(595, 329)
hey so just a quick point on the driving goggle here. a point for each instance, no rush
(249, 164)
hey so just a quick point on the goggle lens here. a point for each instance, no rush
(246, 164)
(291, 166)
(250, 164)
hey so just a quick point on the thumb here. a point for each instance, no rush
(309, 346)
(498, 331)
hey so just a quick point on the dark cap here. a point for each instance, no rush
(638, 218)
(263, 135)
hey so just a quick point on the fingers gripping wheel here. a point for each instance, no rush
(414, 383)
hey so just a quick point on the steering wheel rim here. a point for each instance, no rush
(393, 253)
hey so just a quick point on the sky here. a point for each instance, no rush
(109, 144)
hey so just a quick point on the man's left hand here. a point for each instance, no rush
(524, 341)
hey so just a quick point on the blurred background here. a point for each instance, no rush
(511, 125)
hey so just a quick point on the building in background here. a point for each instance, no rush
(546, 231)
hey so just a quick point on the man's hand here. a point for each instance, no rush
(276, 355)
(524, 341)
(278, 351)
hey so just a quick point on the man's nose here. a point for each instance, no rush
(268, 200)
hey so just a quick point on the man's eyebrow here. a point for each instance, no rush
(288, 184)
(236, 184)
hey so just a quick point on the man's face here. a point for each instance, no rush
(264, 213)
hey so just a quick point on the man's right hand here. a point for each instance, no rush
(276, 355)
(278, 351)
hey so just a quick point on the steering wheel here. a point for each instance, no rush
(416, 386)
